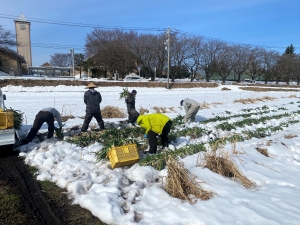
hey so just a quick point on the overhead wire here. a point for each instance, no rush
(58, 46)
(77, 47)
(79, 24)
(232, 42)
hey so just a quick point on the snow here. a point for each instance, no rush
(3, 74)
(121, 195)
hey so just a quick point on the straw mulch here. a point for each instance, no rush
(291, 96)
(159, 109)
(227, 168)
(254, 100)
(225, 89)
(264, 88)
(180, 184)
(143, 111)
(65, 118)
(216, 103)
(263, 151)
(204, 105)
(163, 109)
(289, 136)
(112, 112)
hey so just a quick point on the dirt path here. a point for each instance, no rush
(16, 174)
(35, 205)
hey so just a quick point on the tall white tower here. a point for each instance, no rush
(22, 27)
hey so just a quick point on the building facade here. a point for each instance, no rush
(48, 70)
(11, 62)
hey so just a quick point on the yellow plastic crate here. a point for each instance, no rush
(123, 155)
(6, 120)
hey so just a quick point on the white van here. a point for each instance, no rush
(133, 77)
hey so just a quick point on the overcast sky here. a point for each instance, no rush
(273, 24)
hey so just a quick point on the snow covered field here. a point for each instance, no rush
(134, 196)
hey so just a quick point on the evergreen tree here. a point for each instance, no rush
(289, 50)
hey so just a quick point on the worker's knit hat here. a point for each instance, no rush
(133, 92)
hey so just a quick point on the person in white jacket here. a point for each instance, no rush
(45, 115)
(191, 108)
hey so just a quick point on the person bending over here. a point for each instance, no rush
(45, 115)
(155, 124)
(191, 108)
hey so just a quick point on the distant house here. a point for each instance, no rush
(50, 71)
(11, 62)
(46, 64)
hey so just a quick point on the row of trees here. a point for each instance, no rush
(108, 51)
(65, 60)
(116, 50)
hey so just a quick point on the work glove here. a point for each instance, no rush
(145, 136)
(56, 129)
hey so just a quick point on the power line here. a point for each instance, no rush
(80, 24)
(77, 47)
(209, 38)
(117, 27)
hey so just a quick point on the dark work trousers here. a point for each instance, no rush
(132, 116)
(41, 118)
(89, 117)
(163, 137)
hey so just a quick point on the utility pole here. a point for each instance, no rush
(167, 43)
(72, 51)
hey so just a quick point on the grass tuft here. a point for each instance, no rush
(112, 112)
(263, 151)
(289, 136)
(222, 164)
(181, 184)
(10, 206)
(225, 89)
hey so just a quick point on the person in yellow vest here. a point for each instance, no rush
(155, 124)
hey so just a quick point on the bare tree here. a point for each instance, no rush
(79, 61)
(287, 63)
(255, 65)
(208, 57)
(110, 50)
(240, 60)
(61, 59)
(7, 39)
(149, 49)
(225, 61)
(297, 69)
(193, 55)
(161, 55)
(179, 45)
(270, 60)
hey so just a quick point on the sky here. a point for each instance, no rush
(273, 24)
(118, 196)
